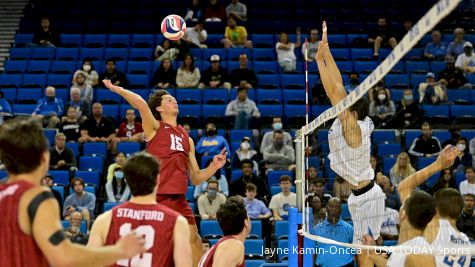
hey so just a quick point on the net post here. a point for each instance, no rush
(299, 162)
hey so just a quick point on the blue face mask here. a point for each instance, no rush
(278, 126)
(118, 174)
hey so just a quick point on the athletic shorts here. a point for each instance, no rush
(179, 204)
(367, 213)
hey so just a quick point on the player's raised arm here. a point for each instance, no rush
(198, 176)
(149, 123)
(445, 159)
(181, 246)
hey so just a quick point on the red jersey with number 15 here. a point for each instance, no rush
(171, 146)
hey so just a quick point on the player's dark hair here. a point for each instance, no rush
(22, 144)
(232, 215)
(361, 107)
(154, 101)
(140, 173)
(246, 161)
(250, 187)
(420, 209)
(449, 203)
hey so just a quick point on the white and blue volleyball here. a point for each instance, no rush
(173, 27)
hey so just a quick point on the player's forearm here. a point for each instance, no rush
(203, 175)
(409, 184)
(133, 99)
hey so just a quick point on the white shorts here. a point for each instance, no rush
(367, 213)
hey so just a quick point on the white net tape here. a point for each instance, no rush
(441, 9)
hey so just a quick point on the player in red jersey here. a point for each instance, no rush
(31, 233)
(166, 231)
(229, 250)
(175, 150)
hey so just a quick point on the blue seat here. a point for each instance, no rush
(410, 135)
(268, 81)
(398, 68)
(207, 53)
(190, 110)
(192, 206)
(469, 134)
(439, 111)
(388, 149)
(118, 40)
(196, 53)
(82, 227)
(71, 40)
(210, 228)
(74, 147)
(365, 66)
(292, 81)
(22, 53)
(437, 66)
(263, 54)
(111, 111)
(269, 96)
(142, 40)
(139, 67)
(253, 246)
(265, 67)
(28, 95)
(60, 177)
(50, 135)
(60, 66)
(3, 174)
(341, 54)
(117, 54)
(344, 66)
(9, 93)
(397, 81)
(60, 80)
(16, 66)
(424, 162)
(94, 40)
(281, 229)
(42, 53)
(34, 80)
(128, 148)
(109, 205)
(10, 80)
(389, 243)
(141, 53)
(234, 53)
(314, 161)
(22, 39)
(215, 96)
(67, 53)
(254, 263)
(23, 109)
(213, 111)
(384, 136)
(388, 163)
(92, 53)
(361, 53)
(345, 211)
(89, 177)
(189, 193)
(339, 39)
(106, 95)
(282, 244)
(60, 190)
(352, 37)
(417, 66)
(416, 79)
(270, 110)
(414, 53)
(189, 96)
(138, 80)
(235, 175)
(294, 111)
(95, 149)
(233, 65)
(90, 163)
(459, 110)
(294, 96)
(397, 95)
(262, 40)
(442, 135)
(274, 176)
(238, 135)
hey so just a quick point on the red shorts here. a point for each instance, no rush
(179, 204)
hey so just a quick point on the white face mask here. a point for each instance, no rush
(86, 67)
(245, 145)
(461, 147)
(381, 97)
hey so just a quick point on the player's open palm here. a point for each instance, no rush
(447, 156)
(112, 87)
(220, 160)
(131, 244)
(323, 46)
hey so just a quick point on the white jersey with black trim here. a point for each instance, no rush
(398, 259)
(352, 164)
(449, 236)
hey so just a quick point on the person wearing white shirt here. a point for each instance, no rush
(312, 46)
(466, 61)
(390, 227)
(468, 186)
(196, 35)
(280, 203)
(285, 52)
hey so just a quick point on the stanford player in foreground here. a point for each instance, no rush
(229, 250)
(175, 150)
(30, 229)
(166, 232)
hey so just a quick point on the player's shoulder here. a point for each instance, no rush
(231, 245)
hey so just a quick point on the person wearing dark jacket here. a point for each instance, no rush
(165, 76)
(117, 77)
(408, 112)
(452, 77)
(243, 76)
(425, 145)
(61, 156)
(45, 36)
(466, 220)
(238, 187)
(446, 180)
(215, 76)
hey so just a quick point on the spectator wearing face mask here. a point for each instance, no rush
(85, 89)
(267, 138)
(212, 143)
(354, 82)
(209, 202)
(464, 159)
(279, 156)
(245, 151)
(407, 110)
(382, 109)
(49, 108)
(117, 189)
(218, 176)
(92, 77)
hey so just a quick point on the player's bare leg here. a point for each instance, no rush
(196, 246)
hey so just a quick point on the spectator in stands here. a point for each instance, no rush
(81, 201)
(472, 149)
(81, 106)
(61, 156)
(117, 78)
(390, 226)
(286, 52)
(341, 188)
(73, 233)
(165, 76)
(466, 221)
(5, 108)
(86, 91)
(456, 46)
(466, 60)
(354, 82)
(280, 203)
(206, 244)
(49, 182)
(382, 36)
(425, 145)
(446, 180)
(312, 46)
(373, 91)
(455, 135)
(166, 51)
(382, 109)
(215, 76)
(130, 130)
(437, 49)
(188, 76)
(196, 36)
(401, 169)
(392, 197)
(408, 112)
(453, 77)
(92, 77)
(49, 108)
(256, 209)
(317, 188)
(312, 173)
(431, 92)
(237, 11)
(238, 187)
(119, 162)
(318, 210)
(214, 11)
(117, 190)
(195, 12)
(242, 110)
(245, 151)
(209, 203)
(243, 76)
(218, 176)
(45, 36)
(464, 159)
(235, 36)
(212, 143)
(71, 126)
(268, 136)
(468, 186)
(279, 156)
(333, 228)
(375, 165)
(97, 128)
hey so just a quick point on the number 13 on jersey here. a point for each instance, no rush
(144, 259)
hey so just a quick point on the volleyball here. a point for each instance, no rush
(173, 27)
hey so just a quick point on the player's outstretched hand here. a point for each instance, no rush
(220, 159)
(113, 88)
(131, 245)
(447, 156)
(323, 46)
